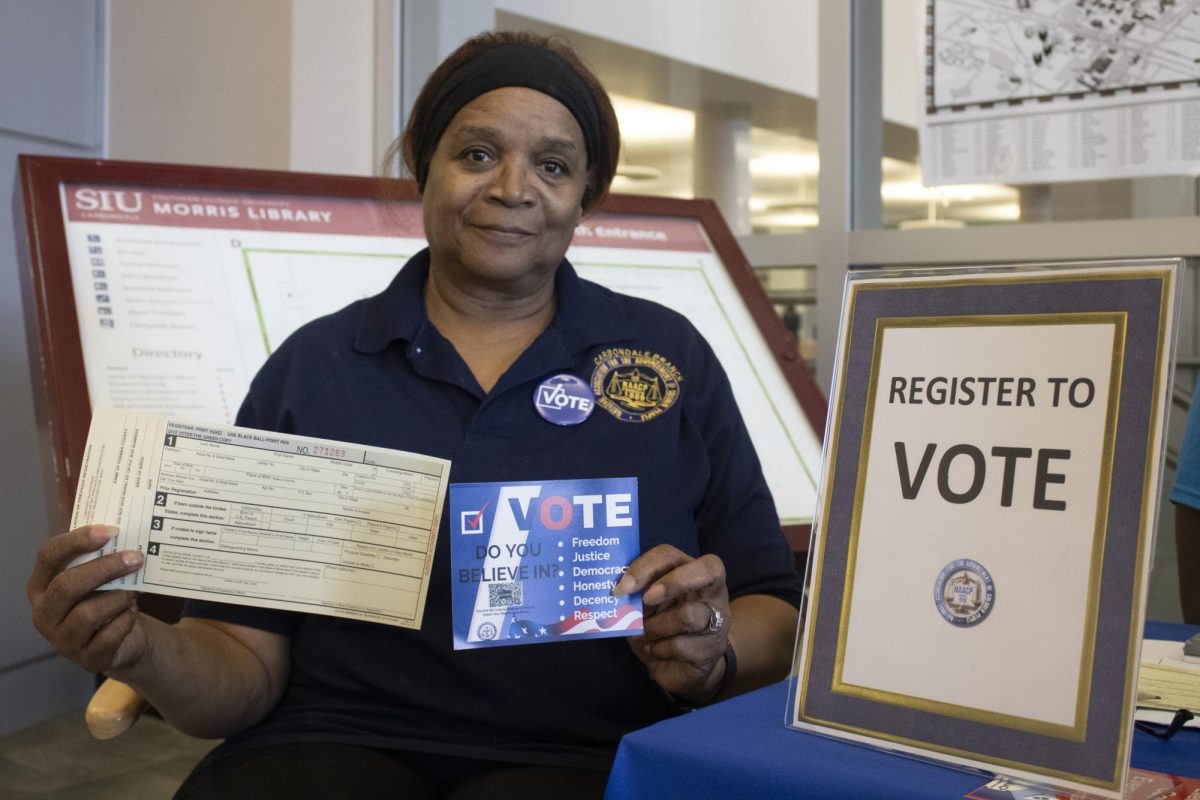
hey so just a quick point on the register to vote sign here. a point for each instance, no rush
(536, 561)
(989, 499)
(991, 439)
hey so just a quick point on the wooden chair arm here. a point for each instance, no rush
(113, 709)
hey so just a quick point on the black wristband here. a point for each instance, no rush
(730, 658)
(730, 671)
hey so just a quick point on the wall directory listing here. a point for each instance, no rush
(264, 519)
(181, 295)
(1042, 91)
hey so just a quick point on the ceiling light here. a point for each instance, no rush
(639, 172)
(915, 191)
(786, 219)
(996, 212)
(643, 121)
(784, 165)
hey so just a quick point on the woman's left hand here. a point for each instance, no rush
(686, 620)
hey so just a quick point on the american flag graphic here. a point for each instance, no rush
(627, 618)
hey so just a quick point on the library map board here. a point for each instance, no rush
(164, 288)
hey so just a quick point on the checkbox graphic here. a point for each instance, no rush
(471, 522)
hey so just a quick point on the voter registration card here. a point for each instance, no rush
(264, 519)
(536, 561)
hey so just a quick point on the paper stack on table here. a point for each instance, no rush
(1166, 681)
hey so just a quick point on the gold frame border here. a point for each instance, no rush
(1077, 731)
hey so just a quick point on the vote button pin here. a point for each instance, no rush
(564, 400)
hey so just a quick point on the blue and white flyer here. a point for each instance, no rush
(536, 561)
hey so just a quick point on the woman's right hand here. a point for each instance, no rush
(100, 631)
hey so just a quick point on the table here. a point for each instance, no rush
(741, 748)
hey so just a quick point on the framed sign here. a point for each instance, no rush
(988, 501)
(163, 288)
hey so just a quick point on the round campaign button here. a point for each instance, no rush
(564, 399)
(964, 593)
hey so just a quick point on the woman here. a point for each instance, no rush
(511, 142)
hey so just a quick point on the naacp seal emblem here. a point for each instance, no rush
(964, 593)
(635, 385)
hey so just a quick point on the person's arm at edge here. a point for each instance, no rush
(207, 678)
(763, 632)
(210, 678)
(1187, 557)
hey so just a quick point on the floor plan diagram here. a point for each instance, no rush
(1013, 51)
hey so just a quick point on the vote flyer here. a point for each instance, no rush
(536, 561)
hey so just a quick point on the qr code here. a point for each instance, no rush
(505, 594)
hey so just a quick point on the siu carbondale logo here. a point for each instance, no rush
(964, 593)
(635, 385)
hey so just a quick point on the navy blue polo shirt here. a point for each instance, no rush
(379, 373)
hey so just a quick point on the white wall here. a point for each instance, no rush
(903, 61)
(773, 42)
(332, 87)
(304, 85)
(201, 83)
(311, 85)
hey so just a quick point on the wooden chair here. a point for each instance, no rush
(116, 706)
(113, 709)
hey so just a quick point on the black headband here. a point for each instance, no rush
(510, 64)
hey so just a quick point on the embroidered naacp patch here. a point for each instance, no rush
(635, 385)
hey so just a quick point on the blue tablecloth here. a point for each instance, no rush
(742, 749)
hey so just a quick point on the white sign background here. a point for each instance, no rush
(1017, 660)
